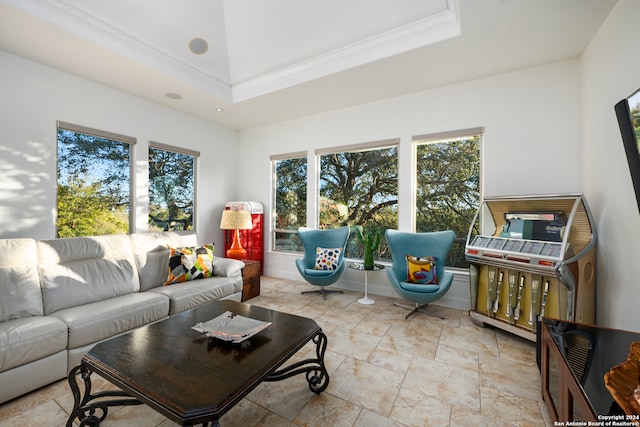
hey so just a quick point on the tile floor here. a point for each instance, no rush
(384, 371)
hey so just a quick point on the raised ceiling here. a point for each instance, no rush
(273, 60)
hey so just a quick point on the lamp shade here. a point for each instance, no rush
(236, 220)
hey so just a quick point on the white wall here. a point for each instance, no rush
(36, 96)
(531, 144)
(611, 72)
(548, 129)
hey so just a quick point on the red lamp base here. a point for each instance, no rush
(236, 251)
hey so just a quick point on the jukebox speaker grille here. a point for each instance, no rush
(578, 352)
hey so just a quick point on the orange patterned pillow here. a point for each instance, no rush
(190, 263)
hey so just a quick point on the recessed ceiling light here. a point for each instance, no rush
(198, 46)
(173, 95)
(219, 110)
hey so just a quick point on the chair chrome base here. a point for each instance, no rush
(323, 291)
(418, 308)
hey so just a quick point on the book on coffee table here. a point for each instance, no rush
(231, 327)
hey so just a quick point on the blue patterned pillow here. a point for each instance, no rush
(327, 258)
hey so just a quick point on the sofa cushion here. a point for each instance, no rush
(187, 296)
(151, 254)
(20, 294)
(81, 270)
(30, 338)
(190, 263)
(95, 321)
(419, 287)
(318, 273)
(227, 267)
(33, 375)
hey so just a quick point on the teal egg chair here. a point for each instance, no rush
(325, 239)
(432, 244)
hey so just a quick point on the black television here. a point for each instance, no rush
(628, 113)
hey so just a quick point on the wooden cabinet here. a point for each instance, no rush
(560, 390)
(250, 279)
(573, 359)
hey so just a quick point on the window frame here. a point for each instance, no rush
(61, 125)
(273, 159)
(196, 161)
(444, 137)
(354, 148)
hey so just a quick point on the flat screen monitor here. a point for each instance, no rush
(628, 113)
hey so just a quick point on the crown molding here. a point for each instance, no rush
(71, 19)
(433, 29)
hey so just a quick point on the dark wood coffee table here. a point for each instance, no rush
(189, 378)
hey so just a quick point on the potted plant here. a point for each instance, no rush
(370, 240)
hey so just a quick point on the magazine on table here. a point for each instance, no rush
(231, 327)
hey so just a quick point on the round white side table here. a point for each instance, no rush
(360, 267)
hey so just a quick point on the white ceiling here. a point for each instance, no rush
(273, 60)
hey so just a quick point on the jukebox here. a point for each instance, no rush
(531, 256)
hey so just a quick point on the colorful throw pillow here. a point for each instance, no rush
(422, 270)
(327, 258)
(190, 263)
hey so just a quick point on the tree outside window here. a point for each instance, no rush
(360, 187)
(634, 104)
(290, 200)
(448, 188)
(93, 182)
(171, 189)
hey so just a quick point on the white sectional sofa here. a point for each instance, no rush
(59, 297)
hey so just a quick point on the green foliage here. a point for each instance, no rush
(93, 185)
(360, 188)
(364, 181)
(171, 195)
(94, 182)
(290, 202)
(291, 193)
(635, 120)
(448, 196)
(82, 212)
(91, 158)
(370, 243)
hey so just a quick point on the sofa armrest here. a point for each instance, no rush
(226, 267)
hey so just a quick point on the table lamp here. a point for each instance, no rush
(236, 220)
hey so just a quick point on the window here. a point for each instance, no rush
(290, 200)
(359, 186)
(172, 174)
(448, 186)
(94, 187)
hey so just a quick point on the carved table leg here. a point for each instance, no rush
(316, 373)
(86, 412)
